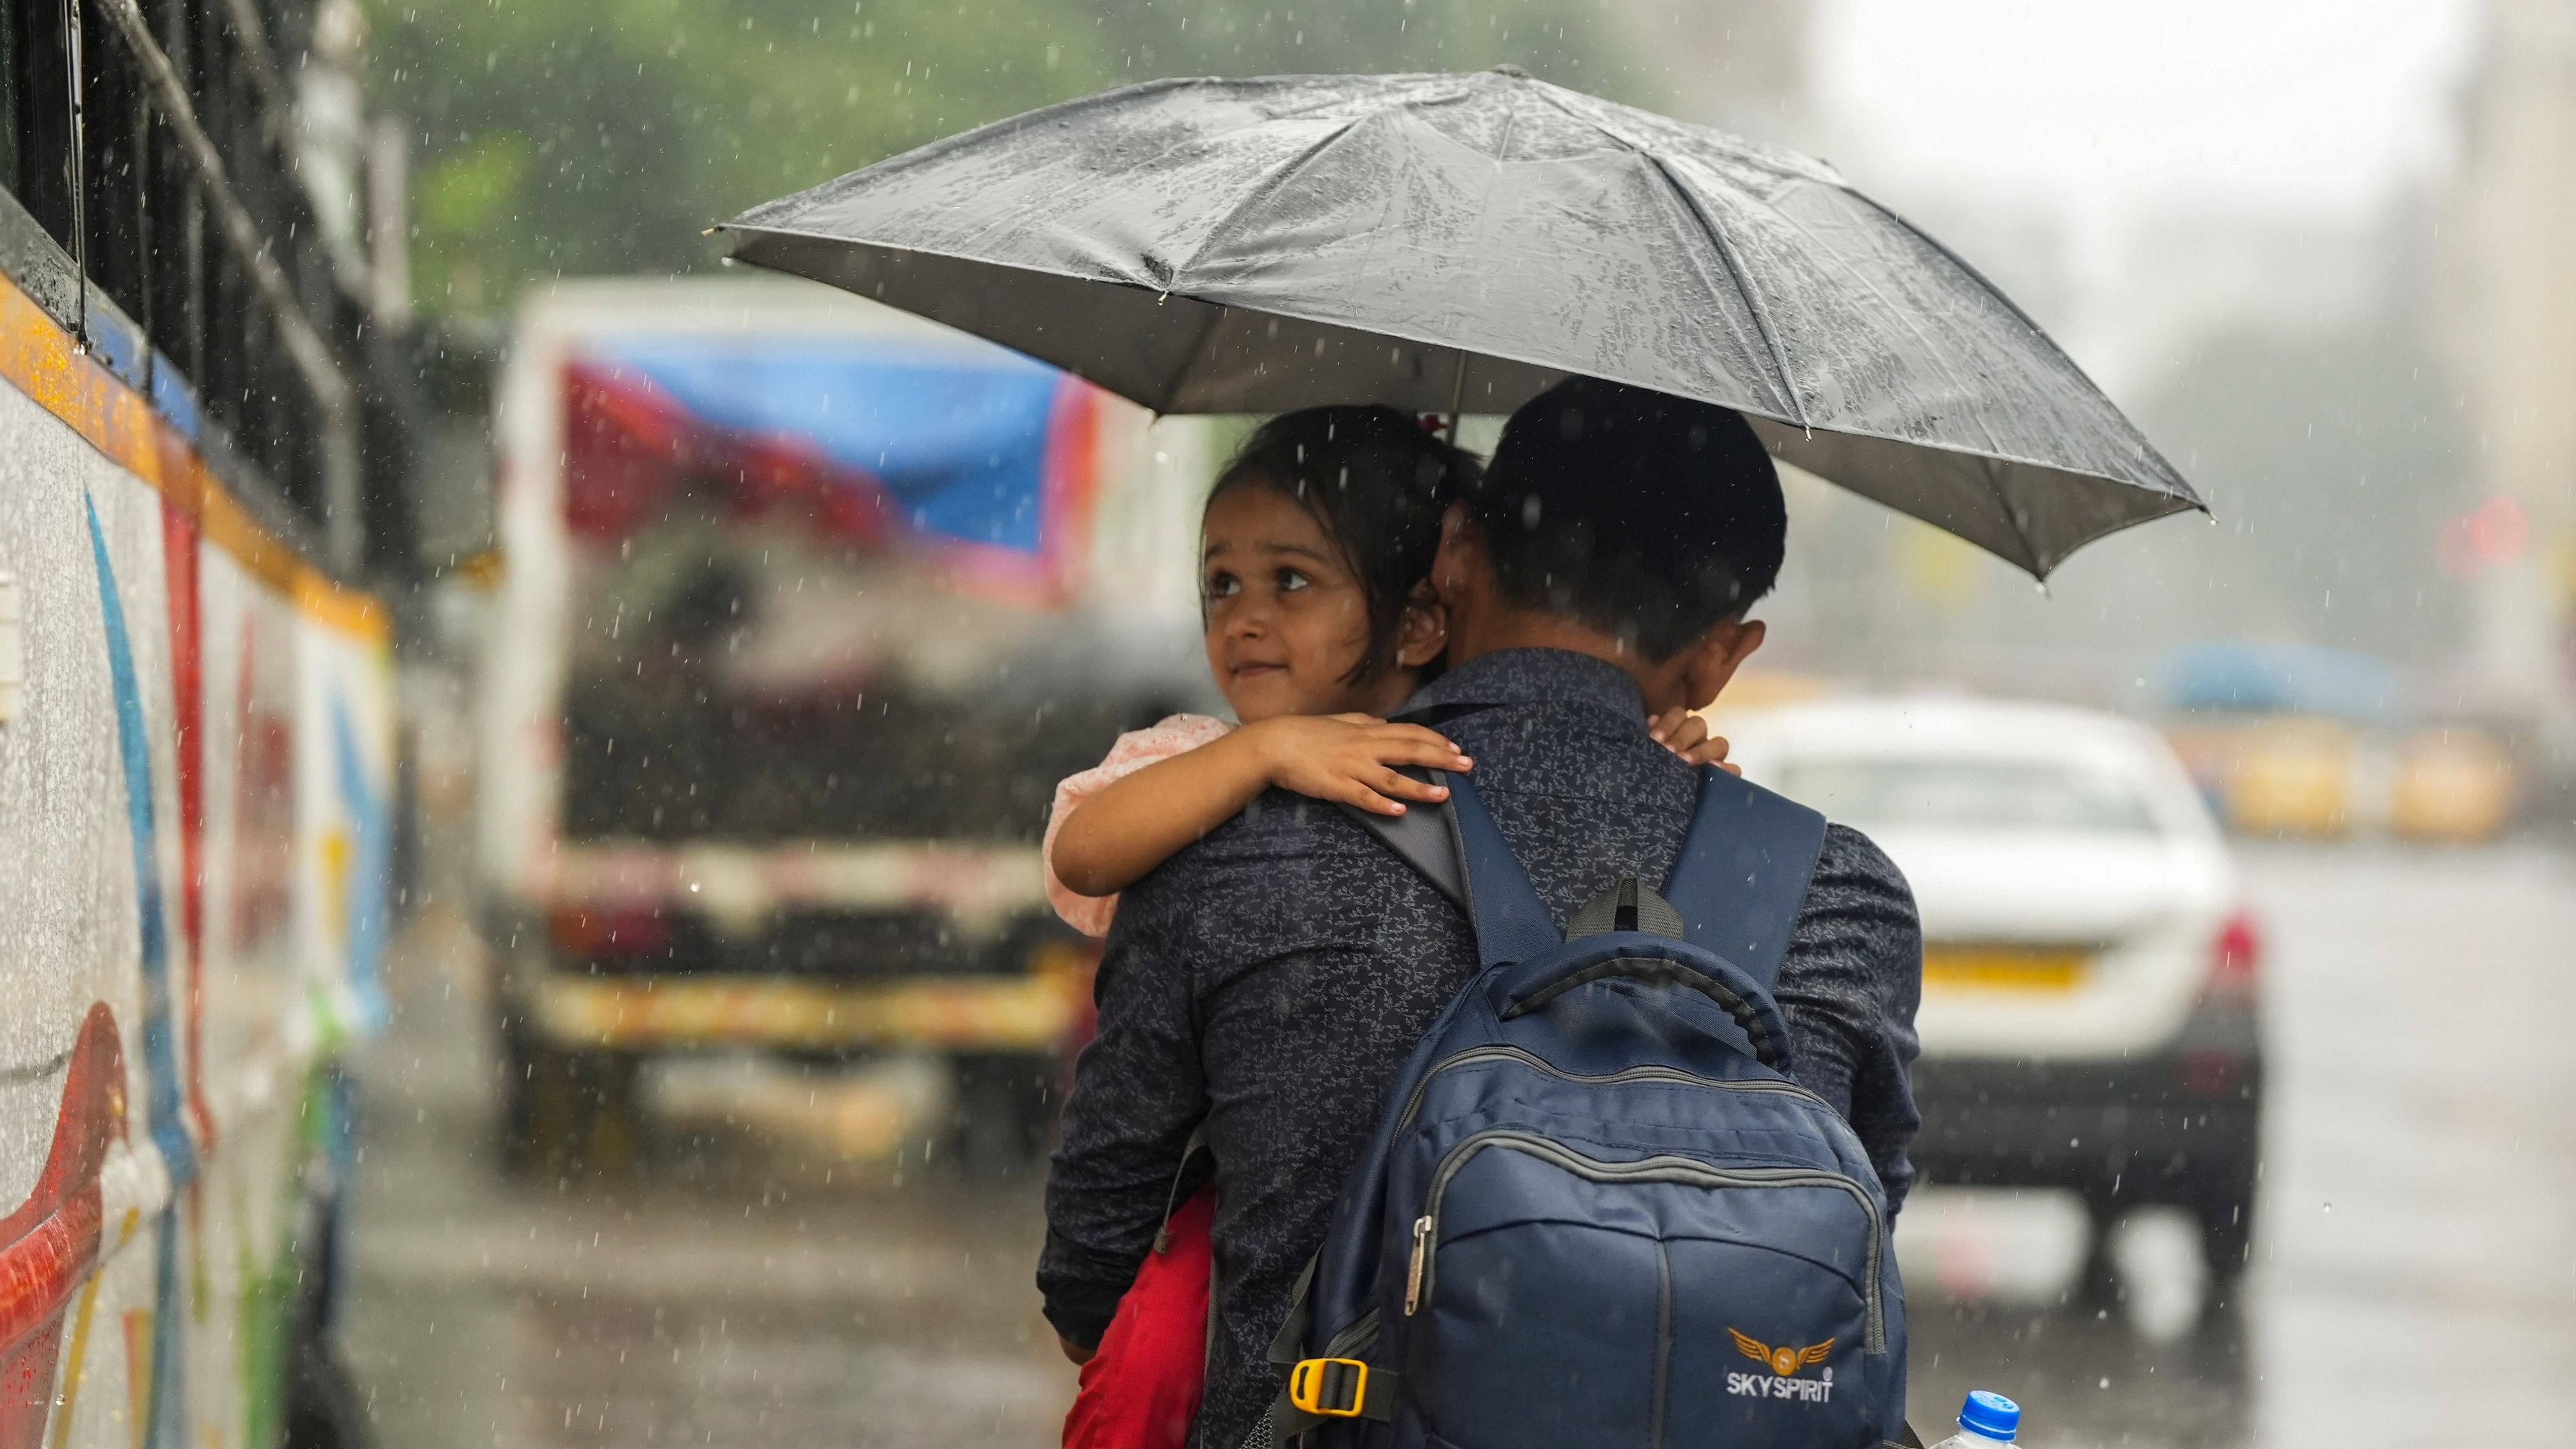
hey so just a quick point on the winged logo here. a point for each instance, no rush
(1783, 1360)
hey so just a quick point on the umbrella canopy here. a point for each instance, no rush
(1439, 242)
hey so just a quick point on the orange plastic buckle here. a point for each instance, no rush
(1313, 1378)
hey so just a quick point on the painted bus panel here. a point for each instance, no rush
(195, 801)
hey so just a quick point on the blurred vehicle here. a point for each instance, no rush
(2279, 734)
(2295, 740)
(197, 732)
(2090, 1018)
(777, 683)
(2453, 786)
(2296, 776)
(2247, 676)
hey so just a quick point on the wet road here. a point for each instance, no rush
(2415, 1283)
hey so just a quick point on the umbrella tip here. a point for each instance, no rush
(1509, 69)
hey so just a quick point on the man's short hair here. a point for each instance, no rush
(1649, 517)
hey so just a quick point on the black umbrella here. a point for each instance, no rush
(1439, 242)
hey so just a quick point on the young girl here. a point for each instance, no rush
(1318, 539)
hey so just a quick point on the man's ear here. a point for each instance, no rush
(1422, 631)
(1461, 556)
(1720, 652)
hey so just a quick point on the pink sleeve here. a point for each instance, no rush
(1177, 735)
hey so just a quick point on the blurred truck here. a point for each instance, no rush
(785, 659)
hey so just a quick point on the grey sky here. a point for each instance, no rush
(2320, 107)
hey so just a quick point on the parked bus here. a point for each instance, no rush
(197, 731)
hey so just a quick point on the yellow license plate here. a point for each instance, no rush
(2004, 968)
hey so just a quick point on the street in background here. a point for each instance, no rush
(755, 1284)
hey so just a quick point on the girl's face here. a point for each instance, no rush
(1287, 622)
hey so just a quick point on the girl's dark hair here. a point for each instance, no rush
(1376, 483)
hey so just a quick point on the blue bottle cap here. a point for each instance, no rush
(1990, 1414)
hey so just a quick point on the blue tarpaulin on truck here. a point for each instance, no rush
(978, 450)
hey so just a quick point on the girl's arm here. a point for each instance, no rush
(1109, 842)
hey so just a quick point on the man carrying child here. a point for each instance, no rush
(1269, 980)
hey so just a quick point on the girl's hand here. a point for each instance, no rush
(1350, 758)
(1686, 735)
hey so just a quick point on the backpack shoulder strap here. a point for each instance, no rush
(1424, 838)
(1464, 857)
(1420, 837)
(1512, 923)
(1743, 870)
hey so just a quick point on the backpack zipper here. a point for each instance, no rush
(1413, 1275)
(1666, 1168)
(1532, 1060)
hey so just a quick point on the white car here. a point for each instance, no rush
(2089, 1017)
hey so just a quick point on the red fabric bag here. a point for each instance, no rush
(1141, 1388)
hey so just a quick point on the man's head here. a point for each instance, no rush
(1624, 523)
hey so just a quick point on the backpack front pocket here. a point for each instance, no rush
(1557, 1298)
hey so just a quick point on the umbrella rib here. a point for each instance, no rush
(1743, 286)
(1726, 253)
(1172, 385)
(2172, 476)
(1511, 123)
(1201, 82)
(2038, 567)
(1180, 373)
(1914, 324)
(2168, 481)
(1267, 187)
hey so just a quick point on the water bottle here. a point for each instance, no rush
(1986, 1420)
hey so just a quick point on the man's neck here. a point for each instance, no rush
(1529, 629)
(1543, 631)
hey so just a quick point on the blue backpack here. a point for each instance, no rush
(1596, 1210)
